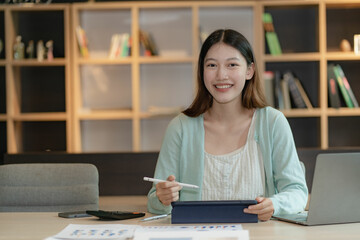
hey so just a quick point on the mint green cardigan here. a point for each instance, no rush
(182, 154)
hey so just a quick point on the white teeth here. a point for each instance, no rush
(223, 86)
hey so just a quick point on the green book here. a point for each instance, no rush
(271, 36)
(342, 88)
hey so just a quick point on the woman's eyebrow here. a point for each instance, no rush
(228, 59)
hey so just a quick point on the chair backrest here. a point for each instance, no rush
(48, 187)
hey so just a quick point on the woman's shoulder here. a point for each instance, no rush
(182, 120)
(269, 112)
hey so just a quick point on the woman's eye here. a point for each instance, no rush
(233, 65)
(210, 65)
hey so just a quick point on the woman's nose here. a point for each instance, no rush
(222, 74)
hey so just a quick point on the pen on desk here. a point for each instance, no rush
(154, 217)
(159, 180)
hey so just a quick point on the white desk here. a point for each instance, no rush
(37, 226)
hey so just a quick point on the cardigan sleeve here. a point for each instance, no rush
(167, 164)
(291, 192)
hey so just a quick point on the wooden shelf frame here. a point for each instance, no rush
(76, 113)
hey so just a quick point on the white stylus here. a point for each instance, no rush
(159, 180)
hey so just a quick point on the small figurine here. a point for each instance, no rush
(19, 48)
(345, 45)
(49, 50)
(30, 49)
(40, 50)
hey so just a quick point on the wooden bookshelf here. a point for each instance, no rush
(165, 81)
(322, 29)
(98, 104)
(38, 92)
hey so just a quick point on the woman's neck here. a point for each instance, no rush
(228, 112)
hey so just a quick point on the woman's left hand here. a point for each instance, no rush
(264, 209)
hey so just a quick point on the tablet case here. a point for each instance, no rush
(231, 211)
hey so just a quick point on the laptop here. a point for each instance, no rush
(335, 191)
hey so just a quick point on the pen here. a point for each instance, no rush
(159, 180)
(154, 217)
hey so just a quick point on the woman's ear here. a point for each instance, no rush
(250, 71)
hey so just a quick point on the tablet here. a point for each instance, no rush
(231, 211)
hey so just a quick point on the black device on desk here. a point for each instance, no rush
(115, 215)
(74, 214)
(231, 211)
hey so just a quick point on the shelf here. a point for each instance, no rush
(316, 112)
(34, 62)
(102, 114)
(105, 61)
(165, 60)
(98, 104)
(339, 56)
(293, 57)
(40, 117)
(342, 112)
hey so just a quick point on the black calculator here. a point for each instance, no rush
(115, 215)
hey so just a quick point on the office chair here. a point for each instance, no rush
(48, 187)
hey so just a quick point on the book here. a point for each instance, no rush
(269, 87)
(294, 90)
(286, 94)
(119, 46)
(148, 43)
(333, 92)
(279, 99)
(303, 93)
(342, 88)
(82, 42)
(347, 86)
(270, 35)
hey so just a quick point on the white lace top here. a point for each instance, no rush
(238, 175)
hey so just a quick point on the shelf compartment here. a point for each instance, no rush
(218, 17)
(106, 87)
(175, 22)
(177, 79)
(342, 22)
(342, 131)
(42, 89)
(309, 137)
(307, 72)
(100, 25)
(152, 133)
(40, 25)
(299, 23)
(106, 135)
(41, 136)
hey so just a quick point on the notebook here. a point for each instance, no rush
(335, 191)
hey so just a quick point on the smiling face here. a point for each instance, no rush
(225, 73)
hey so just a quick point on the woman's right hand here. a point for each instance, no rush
(168, 192)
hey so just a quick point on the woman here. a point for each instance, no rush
(228, 141)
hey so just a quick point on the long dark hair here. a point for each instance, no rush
(252, 94)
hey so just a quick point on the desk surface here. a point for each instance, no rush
(31, 226)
